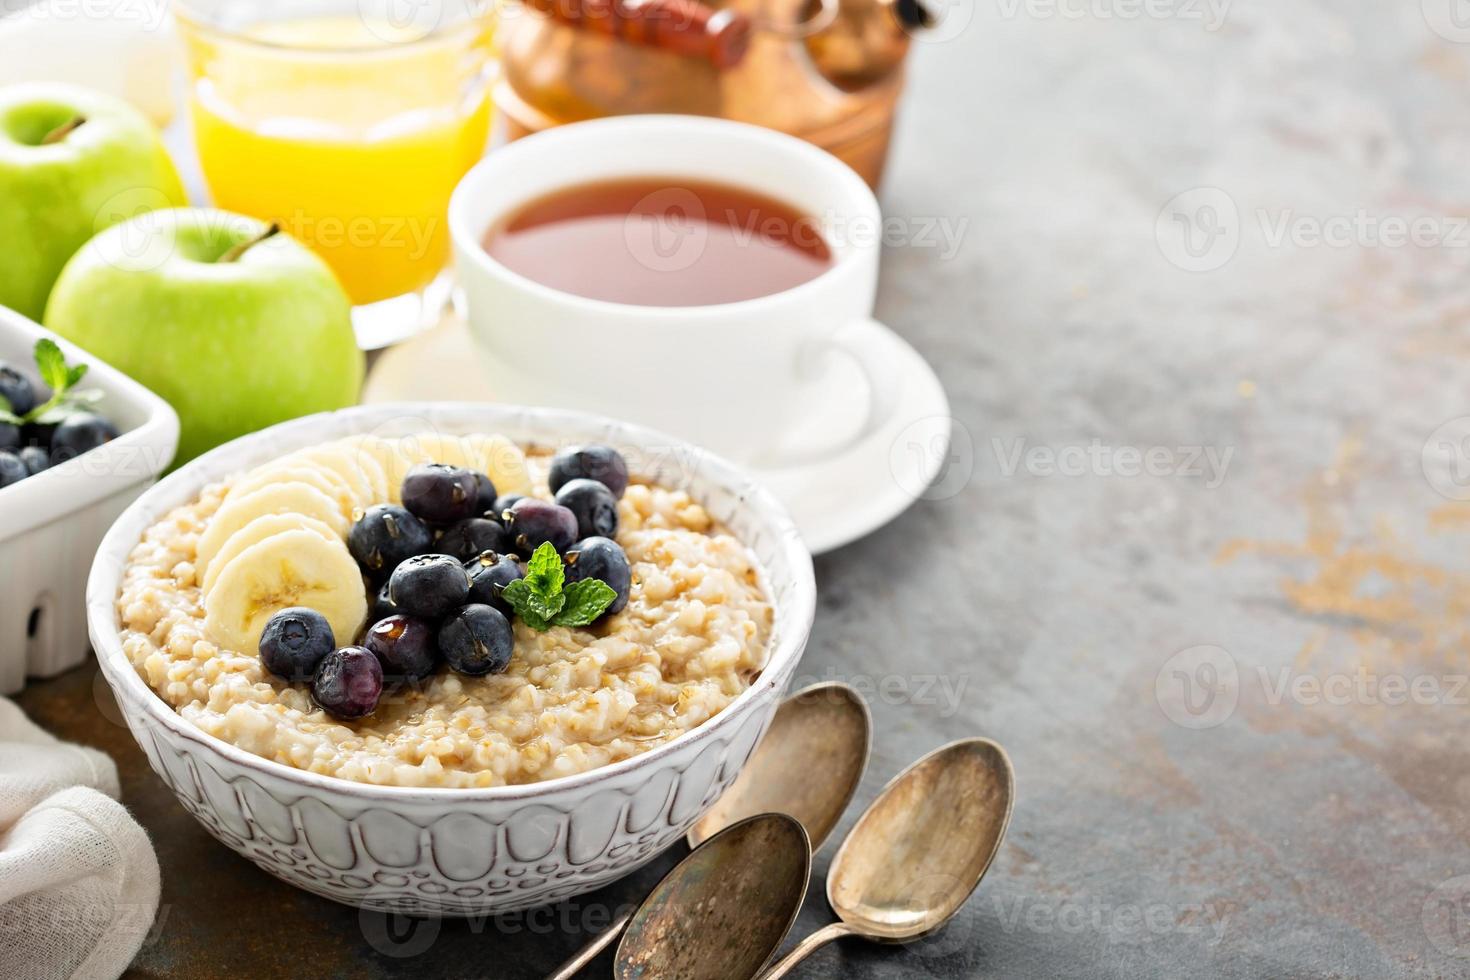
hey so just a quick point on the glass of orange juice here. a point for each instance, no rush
(348, 123)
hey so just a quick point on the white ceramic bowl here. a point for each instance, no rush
(50, 524)
(462, 851)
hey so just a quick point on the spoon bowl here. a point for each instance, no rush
(808, 765)
(725, 909)
(921, 849)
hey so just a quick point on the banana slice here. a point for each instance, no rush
(278, 498)
(505, 464)
(438, 447)
(265, 526)
(297, 471)
(376, 475)
(345, 465)
(377, 455)
(495, 456)
(293, 568)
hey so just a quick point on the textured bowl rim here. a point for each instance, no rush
(794, 619)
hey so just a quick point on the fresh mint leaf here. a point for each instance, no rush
(52, 365)
(545, 574)
(526, 604)
(57, 413)
(542, 598)
(585, 601)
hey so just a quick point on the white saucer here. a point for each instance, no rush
(835, 500)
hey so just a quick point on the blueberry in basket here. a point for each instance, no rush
(441, 494)
(35, 458)
(12, 470)
(80, 433)
(601, 463)
(16, 389)
(385, 537)
(44, 425)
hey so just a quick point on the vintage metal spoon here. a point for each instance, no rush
(808, 765)
(919, 851)
(722, 913)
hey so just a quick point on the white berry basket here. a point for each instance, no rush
(439, 851)
(51, 523)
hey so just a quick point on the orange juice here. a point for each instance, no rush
(348, 133)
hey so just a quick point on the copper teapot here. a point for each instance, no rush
(829, 71)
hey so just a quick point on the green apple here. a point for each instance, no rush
(72, 162)
(236, 326)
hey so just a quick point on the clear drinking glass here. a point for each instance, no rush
(347, 122)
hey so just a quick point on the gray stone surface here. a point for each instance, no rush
(1195, 668)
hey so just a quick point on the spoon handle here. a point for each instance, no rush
(806, 947)
(589, 952)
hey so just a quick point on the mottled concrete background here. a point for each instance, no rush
(1199, 560)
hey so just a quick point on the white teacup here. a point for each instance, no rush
(740, 378)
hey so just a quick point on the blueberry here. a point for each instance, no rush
(12, 470)
(80, 433)
(440, 494)
(16, 389)
(593, 504)
(604, 559)
(477, 640)
(503, 503)
(470, 537)
(9, 436)
(383, 606)
(35, 458)
(404, 647)
(348, 683)
(532, 522)
(489, 574)
(294, 642)
(38, 434)
(429, 586)
(484, 493)
(601, 463)
(385, 536)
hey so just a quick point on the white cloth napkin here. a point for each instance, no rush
(78, 878)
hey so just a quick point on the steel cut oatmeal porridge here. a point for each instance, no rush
(692, 637)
